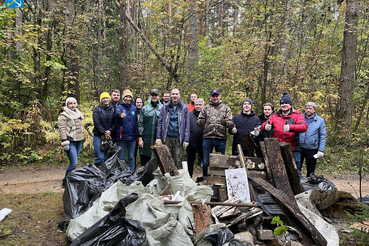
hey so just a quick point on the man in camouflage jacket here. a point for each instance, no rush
(216, 117)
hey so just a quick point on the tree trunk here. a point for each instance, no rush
(18, 24)
(193, 46)
(72, 75)
(49, 43)
(285, 40)
(348, 66)
(123, 47)
(135, 15)
(235, 16)
(207, 42)
(36, 51)
(170, 24)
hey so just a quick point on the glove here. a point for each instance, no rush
(66, 147)
(65, 144)
(255, 132)
(157, 140)
(286, 128)
(185, 144)
(268, 127)
(223, 122)
(319, 155)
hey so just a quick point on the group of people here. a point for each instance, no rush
(196, 127)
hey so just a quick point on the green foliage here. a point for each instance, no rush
(360, 216)
(281, 228)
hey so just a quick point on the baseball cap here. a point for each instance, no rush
(154, 91)
(214, 91)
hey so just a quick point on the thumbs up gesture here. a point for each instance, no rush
(123, 114)
(286, 127)
(234, 129)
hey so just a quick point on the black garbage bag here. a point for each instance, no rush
(235, 242)
(315, 182)
(85, 185)
(219, 237)
(114, 228)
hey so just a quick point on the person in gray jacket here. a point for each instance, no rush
(174, 127)
(312, 142)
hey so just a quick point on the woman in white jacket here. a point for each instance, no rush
(70, 129)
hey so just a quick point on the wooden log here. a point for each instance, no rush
(255, 146)
(260, 174)
(201, 216)
(292, 206)
(165, 159)
(241, 156)
(277, 166)
(291, 167)
(266, 162)
(248, 146)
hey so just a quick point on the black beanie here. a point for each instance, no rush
(247, 100)
(286, 99)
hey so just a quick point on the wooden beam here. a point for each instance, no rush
(267, 165)
(241, 156)
(277, 166)
(255, 146)
(292, 206)
(165, 159)
(248, 146)
(201, 216)
(291, 167)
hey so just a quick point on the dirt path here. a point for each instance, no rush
(49, 178)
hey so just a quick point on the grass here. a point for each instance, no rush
(34, 219)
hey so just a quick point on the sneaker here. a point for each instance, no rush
(63, 184)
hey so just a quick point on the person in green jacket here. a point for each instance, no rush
(147, 125)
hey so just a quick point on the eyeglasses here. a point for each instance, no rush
(154, 95)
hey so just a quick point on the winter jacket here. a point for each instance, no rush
(191, 107)
(315, 136)
(104, 120)
(244, 123)
(211, 116)
(169, 120)
(126, 128)
(264, 134)
(147, 125)
(196, 132)
(297, 125)
(70, 125)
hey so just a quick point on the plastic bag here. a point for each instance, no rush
(317, 183)
(219, 237)
(114, 228)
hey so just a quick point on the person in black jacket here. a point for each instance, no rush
(104, 126)
(268, 110)
(244, 122)
(196, 132)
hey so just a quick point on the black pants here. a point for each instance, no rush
(310, 160)
(191, 155)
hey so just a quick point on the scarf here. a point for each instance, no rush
(73, 114)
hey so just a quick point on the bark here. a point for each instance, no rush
(348, 66)
(170, 24)
(49, 43)
(193, 46)
(235, 17)
(148, 24)
(207, 42)
(72, 75)
(18, 24)
(135, 15)
(286, 41)
(123, 46)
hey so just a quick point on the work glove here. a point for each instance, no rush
(157, 140)
(223, 122)
(286, 127)
(255, 132)
(185, 144)
(319, 155)
(268, 126)
(65, 144)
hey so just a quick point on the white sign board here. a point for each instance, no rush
(237, 184)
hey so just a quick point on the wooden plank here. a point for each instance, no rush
(255, 146)
(245, 215)
(248, 146)
(216, 180)
(216, 171)
(241, 156)
(266, 162)
(165, 158)
(237, 184)
(292, 206)
(260, 174)
(223, 161)
(201, 216)
(223, 196)
(277, 165)
(291, 167)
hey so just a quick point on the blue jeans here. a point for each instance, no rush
(73, 153)
(207, 145)
(297, 157)
(100, 156)
(130, 145)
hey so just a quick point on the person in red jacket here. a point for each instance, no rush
(285, 125)
(191, 106)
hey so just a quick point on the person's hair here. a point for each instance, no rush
(115, 90)
(268, 104)
(166, 92)
(175, 89)
(313, 104)
(200, 100)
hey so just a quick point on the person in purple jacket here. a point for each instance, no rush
(174, 127)
(126, 128)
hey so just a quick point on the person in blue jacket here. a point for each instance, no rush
(312, 142)
(126, 128)
(104, 127)
(244, 122)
